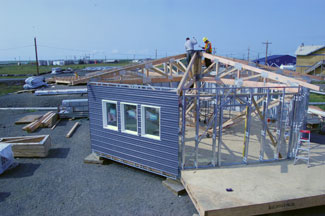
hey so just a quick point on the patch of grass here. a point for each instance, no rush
(6, 89)
(317, 98)
(318, 82)
(31, 68)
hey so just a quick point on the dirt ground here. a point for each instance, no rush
(62, 184)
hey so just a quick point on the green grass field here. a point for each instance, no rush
(6, 89)
(31, 68)
(317, 98)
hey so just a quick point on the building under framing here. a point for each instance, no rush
(163, 116)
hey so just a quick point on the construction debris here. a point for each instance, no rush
(69, 134)
(77, 108)
(29, 146)
(61, 91)
(93, 159)
(47, 120)
(6, 157)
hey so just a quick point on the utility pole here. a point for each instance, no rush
(36, 56)
(248, 55)
(267, 46)
(156, 53)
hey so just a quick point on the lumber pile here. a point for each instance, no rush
(28, 119)
(47, 120)
(29, 146)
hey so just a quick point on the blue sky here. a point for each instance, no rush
(136, 28)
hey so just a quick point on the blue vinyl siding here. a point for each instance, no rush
(161, 155)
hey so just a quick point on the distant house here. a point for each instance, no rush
(58, 63)
(277, 60)
(45, 63)
(310, 59)
(111, 61)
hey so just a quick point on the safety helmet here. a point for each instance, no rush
(205, 39)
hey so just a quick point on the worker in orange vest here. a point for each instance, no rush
(208, 49)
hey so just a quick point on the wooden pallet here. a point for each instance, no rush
(29, 146)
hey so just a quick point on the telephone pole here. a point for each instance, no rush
(36, 56)
(267, 46)
(248, 55)
(156, 53)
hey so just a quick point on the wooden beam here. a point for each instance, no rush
(69, 134)
(247, 83)
(185, 76)
(227, 72)
(157, 70)
(208, 69)
(132, 67)
(181, 65)
(270, 75)
(251, 77)
(140, 81)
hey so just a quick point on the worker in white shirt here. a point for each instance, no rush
(189, 47)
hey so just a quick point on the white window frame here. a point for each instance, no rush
(143, 119)
(104, 114)
(122, 118)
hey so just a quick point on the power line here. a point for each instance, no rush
(16, 47)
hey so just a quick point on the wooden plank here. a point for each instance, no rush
(28, 119)
(186, 75)
(132, 67)
(227, 72)
(209, 68)
(56, 124)
(251, 77)
(157, 70)
(270, 75)
(69, 134)
(248, 83)
(174, 186)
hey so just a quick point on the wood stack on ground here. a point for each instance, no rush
(28, 119)
(47, 120)
(29, 146)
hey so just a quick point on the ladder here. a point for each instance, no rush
(303, 147)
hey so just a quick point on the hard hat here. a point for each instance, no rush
(205, 39)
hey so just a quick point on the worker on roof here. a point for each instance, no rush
(189, 47)
(208, 49)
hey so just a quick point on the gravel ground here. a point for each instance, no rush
(62, 184)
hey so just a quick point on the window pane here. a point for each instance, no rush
(111, 114)
(151, 121)
(130, 117)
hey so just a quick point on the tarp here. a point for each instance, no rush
(6, 157)
(34, 82)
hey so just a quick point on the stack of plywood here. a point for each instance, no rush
(29, 146)
(47, 120)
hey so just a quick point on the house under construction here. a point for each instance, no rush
(166, 117)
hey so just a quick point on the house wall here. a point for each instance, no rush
(304, 62)
(158, 156)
